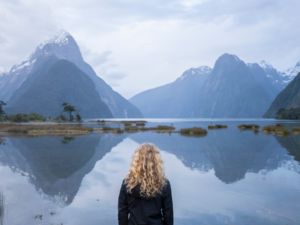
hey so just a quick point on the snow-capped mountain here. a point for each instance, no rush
(195, 72)
(176, 99)
(232, 89)
(10, 81)
(292, 72)
(63, 46)
(270, 75)
(14, 78)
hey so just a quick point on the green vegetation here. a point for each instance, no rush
(160, 129)
(289, 114)
(253, 127)
(296, 130)
(60, 118)
(23, 117)
(109, 130)
(133, 129)
(194, 131)
(2, 113)
(217, 126)
(276, 129)
(78, 117)
(45, 129)
(35, 117)
(69, 109)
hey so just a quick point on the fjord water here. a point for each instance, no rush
(227, 177)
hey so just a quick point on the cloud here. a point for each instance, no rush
(135, 45)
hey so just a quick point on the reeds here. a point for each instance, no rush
(193, 131)
(45, 129)
(276, 129)
(217, 126)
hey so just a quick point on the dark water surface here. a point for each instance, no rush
(226, 177)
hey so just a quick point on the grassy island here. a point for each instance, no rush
(44, 129)
(193, 131)
(217, 126)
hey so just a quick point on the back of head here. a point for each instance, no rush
(146, 171)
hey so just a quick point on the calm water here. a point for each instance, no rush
(227, 177)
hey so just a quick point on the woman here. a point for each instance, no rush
(145, 196)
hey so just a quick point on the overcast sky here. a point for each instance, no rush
(138, 44)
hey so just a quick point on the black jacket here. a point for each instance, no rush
(133, 209)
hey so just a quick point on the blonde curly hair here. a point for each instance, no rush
(146, 170)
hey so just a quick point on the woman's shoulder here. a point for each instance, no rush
(167, 181)
(167, 185)
(124, 184)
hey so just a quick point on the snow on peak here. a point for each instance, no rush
(204, 69)
(265, 65)
(60, 38)
(195, 71)
(25, 65)
(293, 71)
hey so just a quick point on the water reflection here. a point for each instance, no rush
(230, 153)
(228, 177)
(55, 166)
(292, 144)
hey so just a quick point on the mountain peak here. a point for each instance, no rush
(61, 38)
(227, 57)
(227, 60)
(62, 45)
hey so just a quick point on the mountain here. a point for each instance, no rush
(63, 46)
(276, 78)
(232, 89)
(54, 82)
(292, 72)
(174, 99)
(287, 98)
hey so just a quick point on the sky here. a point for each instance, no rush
(135, 45)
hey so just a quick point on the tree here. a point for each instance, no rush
(69, 109)
(78, 117)
(2, 113)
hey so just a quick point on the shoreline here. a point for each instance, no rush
(52, 128)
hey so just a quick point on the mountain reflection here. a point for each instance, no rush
(292, 144)
(57, 166)
(54, 165)
(230, 153)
